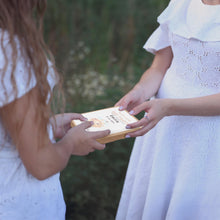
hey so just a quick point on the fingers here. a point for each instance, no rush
(118, 103)
(97, 146)
(99, 134)
(86, 124)
(93, 135)
(96, 135)
(143, 122)
(100, 146)
(145, 125)
(91, 150)
(73, 116)
(66, 118)
(141, 131)
(81, 117)
(142, 107)
(123, 103)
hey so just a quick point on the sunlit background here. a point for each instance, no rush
(98, 47)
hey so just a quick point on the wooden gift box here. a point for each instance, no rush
(109, 118)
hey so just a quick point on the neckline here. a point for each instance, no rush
(208, 5)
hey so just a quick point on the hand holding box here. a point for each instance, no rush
(112, 119)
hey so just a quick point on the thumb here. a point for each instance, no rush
(123, 103)
(79, 117)
(142, 107)
(86, 124)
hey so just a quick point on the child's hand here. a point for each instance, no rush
(132, 99)
(155, 110)
(61, 123)
(81, 142)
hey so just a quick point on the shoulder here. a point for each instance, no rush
(192, 19)
(7, 48)
(4, 44)
(14, 78)
(175, 8)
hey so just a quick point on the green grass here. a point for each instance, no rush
(105, 37)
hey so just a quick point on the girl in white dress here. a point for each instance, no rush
(174, 169)
(30, 159)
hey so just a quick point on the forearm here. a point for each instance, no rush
(150, 82)
(152, 78)
(157, 109)
(47, 160)
(56, 124)
(61, 123)
(201, 106)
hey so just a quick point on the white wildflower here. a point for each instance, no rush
(86, 50)
(81, 56)
(80, 44)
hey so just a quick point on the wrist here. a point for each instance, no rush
(64, 148)
(140, 88)
(168, 107)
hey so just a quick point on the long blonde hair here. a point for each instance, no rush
(23, 19)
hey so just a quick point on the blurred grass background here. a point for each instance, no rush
(98, 47)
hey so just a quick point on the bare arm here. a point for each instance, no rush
(61, 123)
(158, 108)
(48, 158)
(151, 79)
(149, 82)
(201, 106)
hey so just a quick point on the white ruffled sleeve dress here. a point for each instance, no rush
(174, 170)
(21, 195)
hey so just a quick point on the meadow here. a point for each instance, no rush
(98, 47)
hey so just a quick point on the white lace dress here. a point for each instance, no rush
(21, 195)
(174, 170)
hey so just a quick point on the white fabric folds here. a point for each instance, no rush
(158, 40)
(188, 19)
(23, 83)
(7, 93)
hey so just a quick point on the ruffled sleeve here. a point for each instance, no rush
(21, 80)
(160, 37)
(188, 19)
(158, 40)
(192, 19)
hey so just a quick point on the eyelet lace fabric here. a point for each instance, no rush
(174, 170)
(195, 69)
(21, 195)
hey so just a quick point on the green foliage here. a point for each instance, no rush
(92, 185)
(98, 47)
